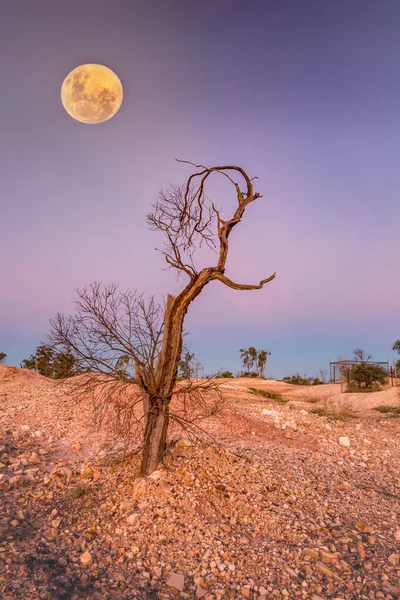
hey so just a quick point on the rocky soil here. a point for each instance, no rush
(287, 505)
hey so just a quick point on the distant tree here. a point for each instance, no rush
(253, 357)
(55, 365)
(64, 365)
(3, 356)
(396, 348)
(122, 366)
(262, 361)
(246, 359)
(186, 366)
(253, 361)
(41, 361)
(323, 375)
(359, 355)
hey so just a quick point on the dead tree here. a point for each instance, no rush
(123, 339)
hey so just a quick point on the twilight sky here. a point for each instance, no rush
(304, 95)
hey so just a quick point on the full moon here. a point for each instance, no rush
(91, 93)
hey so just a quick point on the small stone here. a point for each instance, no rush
(363, 527)
(311, 552)
(397, 535)
(326, 570)
(360, 548)
(34, 459)
(126, 505)
(177, 581)
(394, 560)
(344, 441)
(132, 518)
(16, 481)
(165, 486)
(86, 559)
(262, 591)
(245, 592)
(183, 443)
(157, 474)
(200, 592)
(327, 557)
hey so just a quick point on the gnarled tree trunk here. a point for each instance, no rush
(156, 404)
(155, 437)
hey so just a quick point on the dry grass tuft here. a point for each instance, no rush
(270, 395)
(392, 410)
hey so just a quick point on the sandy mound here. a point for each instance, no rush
(14, 373)
(321, 394)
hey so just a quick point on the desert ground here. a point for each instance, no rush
(285, 503)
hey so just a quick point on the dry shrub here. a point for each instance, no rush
(116, 408)
(337, 411)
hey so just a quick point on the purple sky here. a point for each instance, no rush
(305, 95)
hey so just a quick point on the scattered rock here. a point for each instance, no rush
(177, 581)
(363, 527)
(132, 518)
(344, 441)
(86, 559)
(326, 571)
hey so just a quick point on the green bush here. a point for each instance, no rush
(366, 377)
(3, 356)
(226, 375)
(297, 379)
